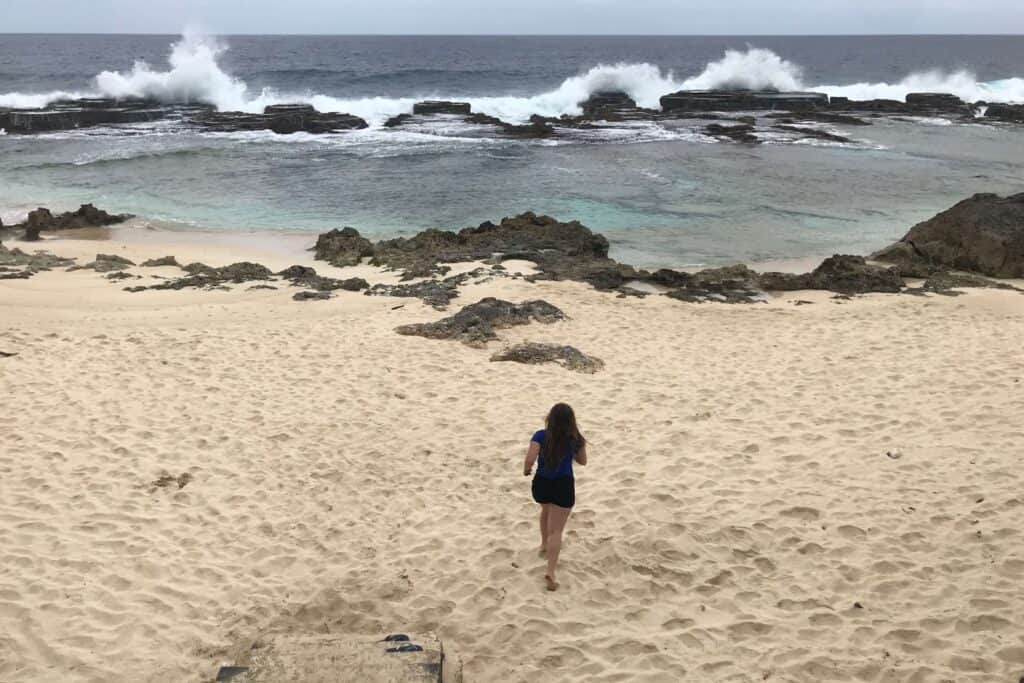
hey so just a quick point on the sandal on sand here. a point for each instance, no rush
(552, 585)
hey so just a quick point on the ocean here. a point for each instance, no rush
(663, 193)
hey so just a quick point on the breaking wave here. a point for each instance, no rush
(195, 76)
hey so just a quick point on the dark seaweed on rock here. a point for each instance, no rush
(304, 276)
(436, 293)
(475, 324)
(19, 265)
(533, 353)
(162, 261)
(203, 276)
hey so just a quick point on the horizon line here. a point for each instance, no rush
(527, 35)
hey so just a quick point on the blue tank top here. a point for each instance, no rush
(564, 467)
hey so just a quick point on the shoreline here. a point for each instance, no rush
(276, 244)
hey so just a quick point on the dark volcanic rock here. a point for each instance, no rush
(475, 324)
(106, 263)
(202, 276)
(31, 263)
(283, 119)
(436, 293)
(198, 268)
(304, 276)
(85, 113)
(839, 273)
(244, 271)
(1013, 113)
(821, 117)
(937, 102)
(526, 236)
(742, 100)
(533, 353)
(730, 284)
(311, 296)
(743, 132)
(535, 129)
(162, 261)
(87, 216)
(345, 247)
(854, 275)
(812, 133)
(983, 234)
(601, 103)
(948, 283)
(441, 107)
(399, 120)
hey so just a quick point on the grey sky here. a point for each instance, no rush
(741, 17)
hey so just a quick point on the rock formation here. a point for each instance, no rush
(983, 234)
(283, 119)
(533, 353)
(345, 247)
(475, 324)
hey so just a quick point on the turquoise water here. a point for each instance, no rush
(663, 193)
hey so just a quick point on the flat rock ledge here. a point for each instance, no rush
(534, 353)
(476, 324)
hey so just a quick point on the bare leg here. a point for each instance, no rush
(543, 529)
(557, 517)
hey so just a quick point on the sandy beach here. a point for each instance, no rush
(828, 491)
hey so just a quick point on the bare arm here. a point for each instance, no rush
(581, 455)
(531, 458)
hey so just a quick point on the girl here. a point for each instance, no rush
(557, 446)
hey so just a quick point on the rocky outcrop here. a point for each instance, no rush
(476, 324)
(937, 102)
(983, 234)
(16, 264)
(743, 132)
(434, 292)
(83, 113)
(283, 119)
(742, 100)
(311, 296)
(345, 247)
(819, 117)
(106, 263)
(843, 274)
(161, 262)
(806, 133)
(440, 107)
(603, 103)
(950, 284)
(86, 216)
(533, 353)
(1011, 113)
(560, 250)
(730, 284)
(202, 276)
(304, 276)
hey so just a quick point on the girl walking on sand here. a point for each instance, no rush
(554, 449)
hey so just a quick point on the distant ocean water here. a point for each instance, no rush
(662, 192)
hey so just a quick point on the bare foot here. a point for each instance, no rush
(551, 583)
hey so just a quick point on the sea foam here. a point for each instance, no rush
(195, 76)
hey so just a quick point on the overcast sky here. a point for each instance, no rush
(736, 17)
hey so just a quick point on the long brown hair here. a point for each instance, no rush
(561, 436)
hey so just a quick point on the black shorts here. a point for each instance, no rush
(560, 491)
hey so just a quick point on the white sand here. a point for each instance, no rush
(346, 479)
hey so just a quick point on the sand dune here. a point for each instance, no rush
(829, 492)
